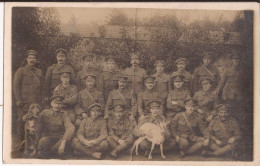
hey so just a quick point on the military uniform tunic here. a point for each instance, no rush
(187, 78)
(202, 71)
(70, 94)
(162, 83)
(145, 97)
(52, 78)
(176, 95)
(135, 79)
(124, 96)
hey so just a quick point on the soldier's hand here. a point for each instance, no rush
(131, 118)
(174, 102)
(46, 99)
(177, 139)
(141, 118)
(218, 142)
(120, 141)
(231, 140)
(200, 111)
(209, 118)
(206, 142)
(84, 115)
(215, 92)
(61, 147)
(106, 117)
(19, 103)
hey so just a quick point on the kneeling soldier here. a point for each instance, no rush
(184, 126)
(225, 133)
(91, 136)
(55, 128)
(120, 130)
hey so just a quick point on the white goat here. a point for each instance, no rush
(153, 133)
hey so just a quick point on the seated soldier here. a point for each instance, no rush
(92, 133)
(207, 99)
(225, 133)
(69, 92)
(176, 97)
(184, 127)
(88, 96)
(155, 117)
(120, 130)
(55, 129)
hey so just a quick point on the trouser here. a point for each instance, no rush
(191, 146)
(116, 146)
(221, 150)
(168, 144)
(78, 146)
(21, 111)
(49, 145)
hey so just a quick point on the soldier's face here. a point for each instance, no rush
(56, 105)
(159, 68)
(31, 60)
(111, 65)
(235, 62)
(135, 61)
(122, 84)
(189, 108)
(206, 86)
(88, 63)
(178, 84)
(181, 65)
(95, 113)
(149, 85)
(207, 61)
(119, 114)
(222, 115)
(90, 83)
(61, 58)
(65, 79)
(155, 110)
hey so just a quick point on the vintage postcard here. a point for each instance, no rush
(131, 83)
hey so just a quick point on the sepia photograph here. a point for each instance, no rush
(130, 84)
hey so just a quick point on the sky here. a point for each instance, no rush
(101, 15)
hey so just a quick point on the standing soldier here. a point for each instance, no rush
(176, 98)
(87, 97)
(181, 65)
(109, 78)
(27, 89)
(162, 81)
(147, 96)
(52, 78)
(88, 67)
(122, 95)
(55, 129)
(206, 99)
(207, 69)
(135, 74)
(184, 127)
(120, 131)
(91, 136)
(69, 92)
(225, 133)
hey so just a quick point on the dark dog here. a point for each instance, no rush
(30, 127)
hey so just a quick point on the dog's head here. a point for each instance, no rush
(31, 127)
(34, 110)
(164, 128)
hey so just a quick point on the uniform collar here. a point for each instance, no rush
(30, 68)
(181, 71)
(56, 113)
(91, 90)
(93, 120)
(190, 116)
(119, 121)
(122, 90)
(179, 89)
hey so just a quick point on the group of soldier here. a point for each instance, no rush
(95, 112)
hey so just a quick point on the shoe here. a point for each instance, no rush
(113, 154)
(182, 154)
(97, 155)
(146, 153)
(207, 154)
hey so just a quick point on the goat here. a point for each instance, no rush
(153, 133)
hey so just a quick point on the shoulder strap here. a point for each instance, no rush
(222, 126)
(90, 96)
(187, 121)
(210, 73)
(36, 78)
(124, 100)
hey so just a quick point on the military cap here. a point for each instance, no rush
(160, 62)
(88, 56)
(149, 79)
(95, 106)
(154, 103)
(111, 58)
(123, 78)
(134, 55)
(207, 55)
(206, 80)
(221, 107)
(31, 52)
(88, 76)
(119, 107)
(178, 78)
(181, 60)
(191, 102)
(61, 50)
(57, 98)
(235, 56)
(65, 70)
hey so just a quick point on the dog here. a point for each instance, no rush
(30, 128)
(153, 133)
